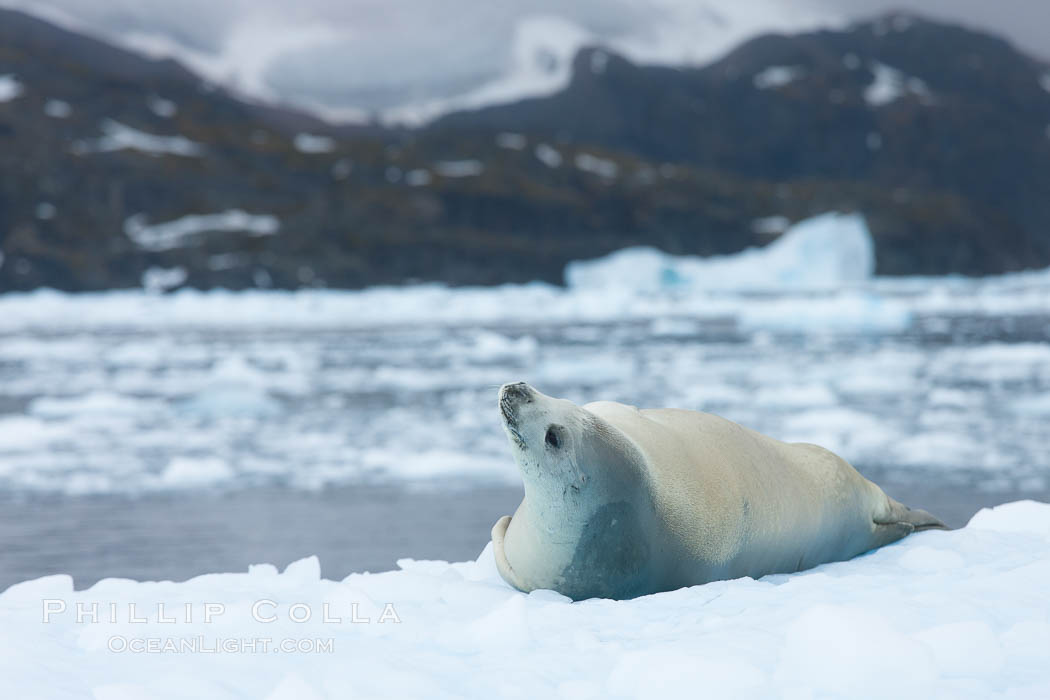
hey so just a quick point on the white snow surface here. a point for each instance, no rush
(960, 614)
(174, 233)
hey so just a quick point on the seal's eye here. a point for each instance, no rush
(552, 438)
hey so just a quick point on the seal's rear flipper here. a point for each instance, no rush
(900, 521)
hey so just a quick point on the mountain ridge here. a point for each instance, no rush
(686, 160)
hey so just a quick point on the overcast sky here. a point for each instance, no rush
(1025, 22)
(349, 58)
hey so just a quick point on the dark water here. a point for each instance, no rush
(365, 528)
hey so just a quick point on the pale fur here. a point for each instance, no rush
(714, 500)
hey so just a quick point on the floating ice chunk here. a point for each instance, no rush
(548, 155)
(862, 313)
(1038, 405)
(941, 448)
(459, 168)
(826, 251)
(236, 389)
(45, 211)
(795, 395)
(674, 327)
(161, 279)
(9, 88)
(172, 234)
(118, 137)
(192, 472)
(777, 76)
(601, 167)
(102, 402)
(489, 346)
(57, 109)
(1044, 81)
(313, 143)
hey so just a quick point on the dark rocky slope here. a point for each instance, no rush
(953, 173)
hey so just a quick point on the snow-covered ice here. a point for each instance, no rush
(960, 614)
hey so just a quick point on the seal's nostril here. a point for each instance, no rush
(516, 392)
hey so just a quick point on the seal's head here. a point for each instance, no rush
(563, 450)
(581, 528)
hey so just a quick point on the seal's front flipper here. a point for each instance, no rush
(900, 521)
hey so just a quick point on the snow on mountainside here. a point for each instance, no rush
(409, 65)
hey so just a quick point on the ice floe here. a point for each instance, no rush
(314, 387)
(939, 614)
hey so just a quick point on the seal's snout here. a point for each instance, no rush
(518, 392)
(511, 398)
